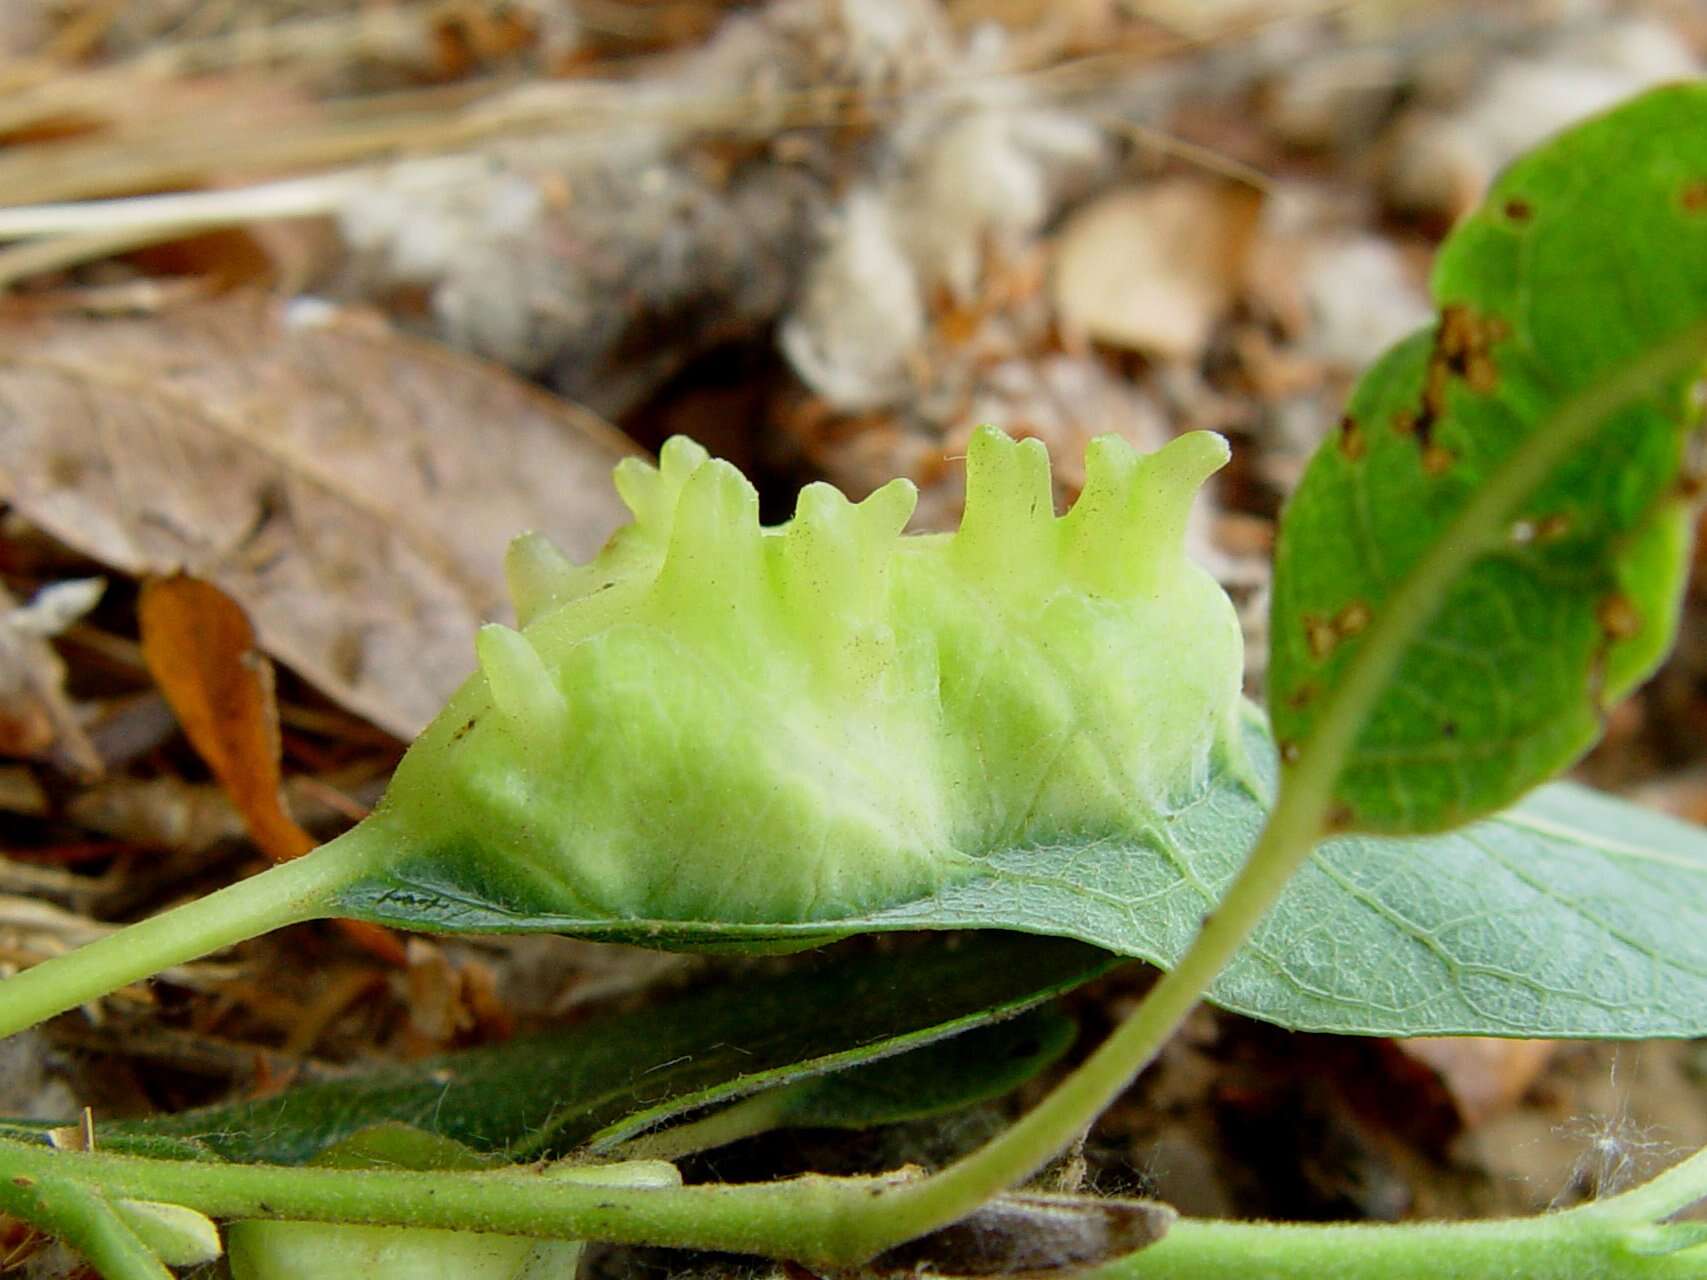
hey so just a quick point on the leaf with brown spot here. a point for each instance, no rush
(353, 489)
(1514, 549)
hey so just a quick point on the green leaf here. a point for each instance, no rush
(1502, 512)
(612, 1078)
(1574, 914)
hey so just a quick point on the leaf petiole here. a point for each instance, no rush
(289, 893)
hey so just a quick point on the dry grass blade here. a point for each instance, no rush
(353, 490)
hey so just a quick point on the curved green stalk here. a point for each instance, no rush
(1555, 1246)
(781, 1220)
(289, 893)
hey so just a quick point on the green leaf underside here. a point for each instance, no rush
(1575, 914)
(610, 1079)
(1588, 253)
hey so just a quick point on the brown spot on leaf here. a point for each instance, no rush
(1694, 196)
(1321, 635)
(1351, 441)
(1480, 374)
(1405, 422)
(1617, 617)
(464, 729)
(1437, 460)
(1339, 818)
(66, 470)
(1517, 209)
(1449, 728)
(1301, 697)
(1324, 635)
(1463, 345)
(1289, 753)
(1352, 619)
(1552, 528)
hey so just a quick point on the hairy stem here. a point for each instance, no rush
(1554, 1246)
(772, 1219)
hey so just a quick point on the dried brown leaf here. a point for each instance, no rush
(352, 489)
(201, 650)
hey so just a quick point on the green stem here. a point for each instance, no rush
(68, 1209)
(774, 1219)
(289, 893)
(1554, 1246)
(1613, 1239)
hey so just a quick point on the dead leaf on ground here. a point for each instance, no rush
(1153, 268)
(37, 719)
(201, 650)
(1483, 1076)
(354, 490)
